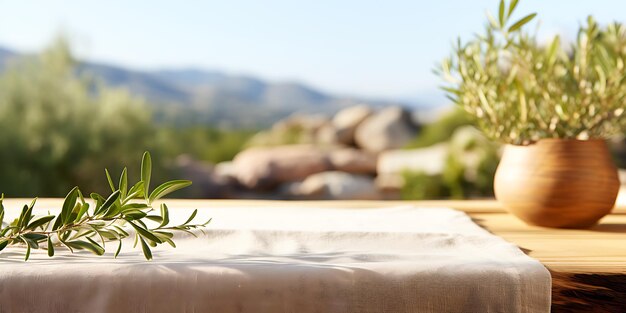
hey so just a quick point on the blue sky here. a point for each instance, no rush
(368, 48)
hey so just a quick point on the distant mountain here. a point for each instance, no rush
(200, 96)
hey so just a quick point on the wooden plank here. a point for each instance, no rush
(588, 266)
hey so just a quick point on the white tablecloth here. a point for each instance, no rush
(401, 259)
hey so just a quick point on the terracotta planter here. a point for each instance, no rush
(557, 182)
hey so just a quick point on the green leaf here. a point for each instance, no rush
(166, 237)
(1, 210)
(191, 217)
(111, 185)
(146, 172)
(50, 247)
(501, 10)
(492, 21)
(134, 206)
(32, 204)
(27, 253)
(86, 245)
(23, 218)
(185, 230)
(74, 213)
(155, 218)
(552, 51)
(98, 199)
(3, 244)
(170, 242)
(30, 242)
(136, 241)
(134, 215)
(163, 234)
(35, 237)
(119, 248)
(512, 7)
(167, 188)
(144, 232)
(68, 206)
(522, 22)
(123, 185)
(108, 234)
(108, 203)
(146, 250)
(165, 215)
(80, 196)
(121, 231)
(135, 191)
(95, 243)
(83, 209)
(40, 221)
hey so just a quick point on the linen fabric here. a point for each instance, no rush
(289, 259)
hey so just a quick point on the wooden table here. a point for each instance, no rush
(588, 266)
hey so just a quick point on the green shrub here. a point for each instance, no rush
(58, 131)
(468, 173)
(203, 143)
(421, 186)
(440, 130)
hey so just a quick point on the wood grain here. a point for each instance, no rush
(588, 266)
(558, 183)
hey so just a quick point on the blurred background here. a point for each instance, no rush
(249, 99)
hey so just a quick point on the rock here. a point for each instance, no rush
(306, 122)
(353, 161)
(431, 160)
(328, 135)
(225, 169)
(267, 167)
(347, 120)
(296, 129)
(336, 186)
(205, 183)
(389, 182)
(391, 128)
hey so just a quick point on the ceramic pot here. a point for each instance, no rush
(560, 183)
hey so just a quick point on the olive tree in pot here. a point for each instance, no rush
(553, 105)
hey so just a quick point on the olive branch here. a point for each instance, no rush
(521, 90)
(79, 228)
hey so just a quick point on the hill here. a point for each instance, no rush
(195, 96)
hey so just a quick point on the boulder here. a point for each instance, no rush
(295, 129)
(389, 182)
(267, 167)
(328, 135)
(225, 169)
(353, 161)
(336, 186)
(346, 121)
(391, 128)
(205, 183)
(431, 160)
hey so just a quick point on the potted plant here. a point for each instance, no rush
(553, 105)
